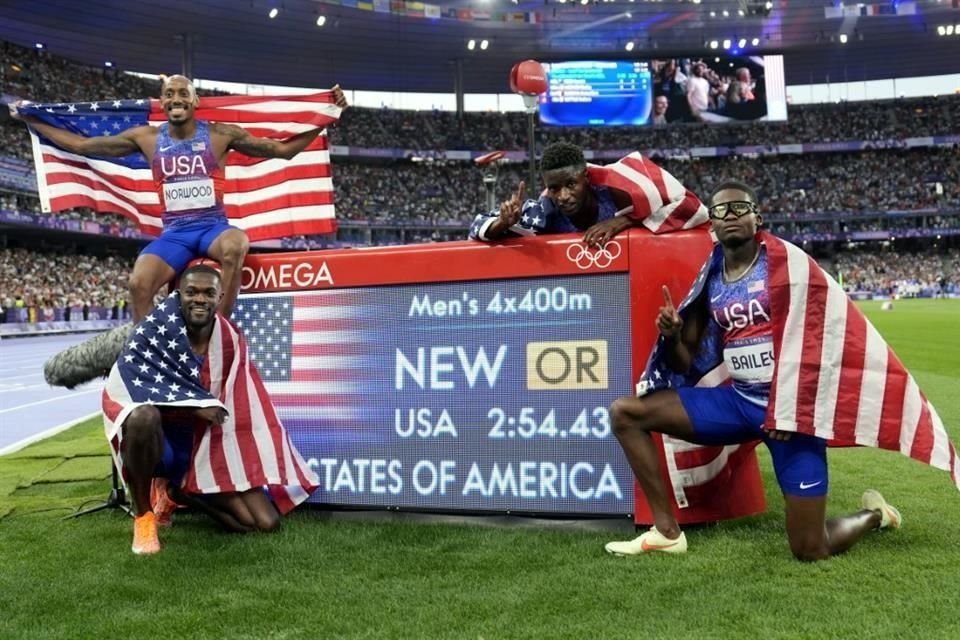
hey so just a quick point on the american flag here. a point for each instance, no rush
(250, 449)
(834, 376)
(314, 351)
(660, 201)
(267, 198)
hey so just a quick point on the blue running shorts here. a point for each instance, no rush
(721, 416)
(177, 451)
(179, 244)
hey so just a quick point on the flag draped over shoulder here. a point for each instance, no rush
(250, 449)
(834, 377)
(660, 201)
(267, 198)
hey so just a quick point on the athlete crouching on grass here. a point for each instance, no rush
(735, 413)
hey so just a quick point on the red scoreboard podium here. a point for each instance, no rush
(474, 377)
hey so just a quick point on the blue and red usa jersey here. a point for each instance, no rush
(741, 310)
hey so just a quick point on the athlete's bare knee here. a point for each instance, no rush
(145, 419)
(235, 250)
(143, 431)
(140, 285)
(268, 522)
(627, 415)
(809, 549)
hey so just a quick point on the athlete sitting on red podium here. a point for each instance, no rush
(187, 159)
(601, 201)
(806, 367)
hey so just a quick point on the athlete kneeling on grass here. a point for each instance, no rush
(733, 314)
(184, 405)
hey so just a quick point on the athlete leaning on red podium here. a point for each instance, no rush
(601, 201)
(806, 369)
(187, 159)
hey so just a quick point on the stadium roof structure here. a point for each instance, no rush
(402, 45)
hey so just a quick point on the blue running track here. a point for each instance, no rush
(29, 407)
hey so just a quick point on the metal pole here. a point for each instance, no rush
(186, 60)
(532, 153)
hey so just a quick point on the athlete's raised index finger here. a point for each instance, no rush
(520, 190)
(667, 300)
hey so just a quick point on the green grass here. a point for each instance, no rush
(320, 577)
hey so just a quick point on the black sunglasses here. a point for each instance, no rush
(739, 208)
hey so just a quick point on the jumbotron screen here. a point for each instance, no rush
(664, 91)
(487, 396)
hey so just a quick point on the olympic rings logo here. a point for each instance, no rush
(585, 257)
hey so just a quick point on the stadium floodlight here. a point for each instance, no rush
(742, 43)
(843, 38)
(629, 46)
(484, 44)
(755, 41)
(727, 44)
(941, 30)
(768, 6)
(108, 64)
(949, 29)
(713, 14)
(273, 13)
(321, 20)
(39, 45)
(471, 44)
(714, 44)
(726, 14)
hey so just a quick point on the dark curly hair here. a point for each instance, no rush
(560, 155)
(200, 268)
(734, 184)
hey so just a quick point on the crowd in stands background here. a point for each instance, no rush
(37, 286)
(436, 200)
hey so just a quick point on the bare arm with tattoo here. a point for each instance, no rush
(242, 141)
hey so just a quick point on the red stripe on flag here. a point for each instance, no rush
(811, 350)
(922, 446)
(271, 415)
(313, 227)
(111, 409)
(893, 395)
(325, 375)
(339, 349)
(681, 215)
(61, 174)
(257, 207)
(243, 422)
(641, 165)
(275, 178)
(851, 377)
(778, 281)
(218, 457)
(331, 324)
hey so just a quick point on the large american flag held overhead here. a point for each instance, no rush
(834, 378)
(267, 198)
(250, 449)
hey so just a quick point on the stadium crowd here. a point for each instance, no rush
(41, 286)
(403, 201)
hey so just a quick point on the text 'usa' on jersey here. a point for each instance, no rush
(187, 176)
(741, 309)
